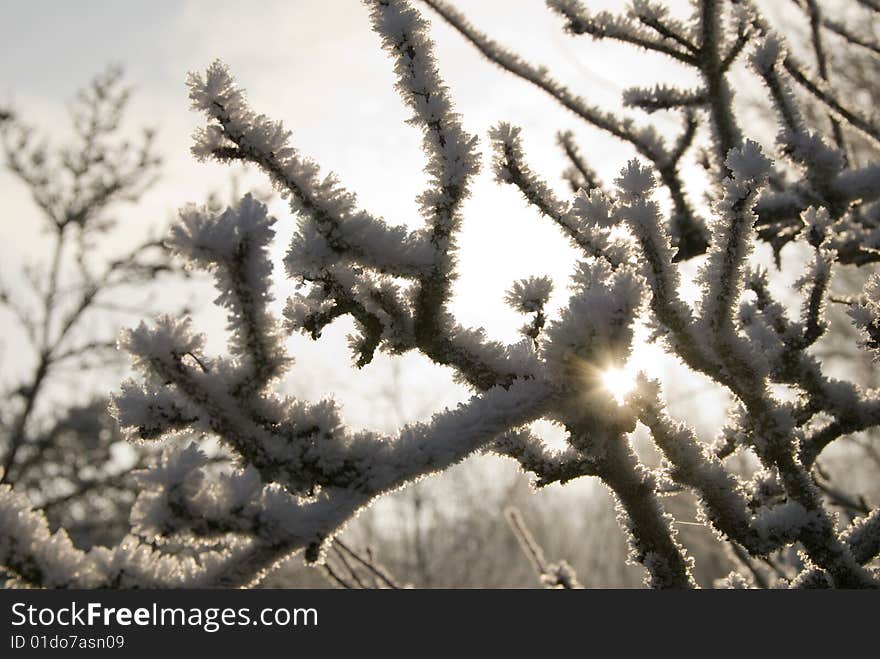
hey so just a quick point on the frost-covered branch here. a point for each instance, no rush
(61, 454)
(298, 474)
(688, 229)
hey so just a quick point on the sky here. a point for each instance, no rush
(317, 66)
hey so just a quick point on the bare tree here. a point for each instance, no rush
(303, 474)
(68, 312)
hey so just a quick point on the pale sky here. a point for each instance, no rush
(317, 66)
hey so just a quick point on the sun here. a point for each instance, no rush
(619, 382)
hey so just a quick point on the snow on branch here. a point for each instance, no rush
(687, 227)
(300, 474)
(234, 246)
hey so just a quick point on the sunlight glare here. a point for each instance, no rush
(619, 382)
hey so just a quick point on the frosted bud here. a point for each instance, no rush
(594, 207)
(635, 181)
(748, 162)
(529, 295)
(766, 55)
